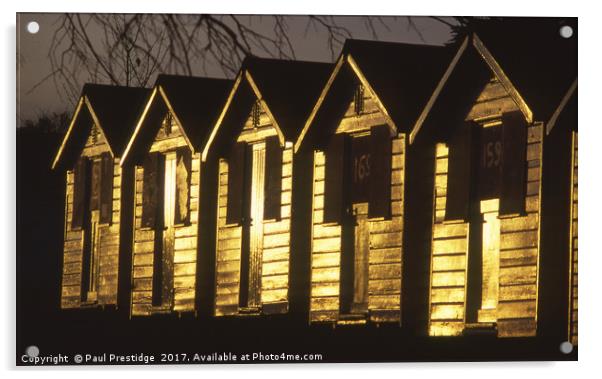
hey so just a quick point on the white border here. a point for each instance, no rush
(590, 141)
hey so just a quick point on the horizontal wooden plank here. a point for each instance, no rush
(447, 279)
(274, 282)
(325, 289)
(448, 295)
(518, 275)
(446, 328)
(385, 271)
(330, 274)
(326, 245)
(326, 260)
(384, 286)
(516, 309)
(275, 295)
(391, 301)
(518, 292)
(183, 256)
(181, 269)
(446, 246)
(275, 268)
(449, 262)
(386, 255)
(515, 224)
(447, 312)
(516, 240)
(324, 303)
(450, 230)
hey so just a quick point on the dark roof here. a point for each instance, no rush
(290, 89)
(196, 102)
(116, 108)
(402, 75)
(539, 62)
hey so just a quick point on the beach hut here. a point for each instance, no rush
(486, 121)
(357, 137)
(172, 197)
(259, 261)
(95, 260)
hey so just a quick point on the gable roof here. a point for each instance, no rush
(286, 89)
(112, 108)
(195, 103)
(537, 69)
(400, 76)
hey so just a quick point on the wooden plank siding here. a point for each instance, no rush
(574, 275)
(519, 242)
(276, 235)
(108, 240)
(185, 244)
(385, 252)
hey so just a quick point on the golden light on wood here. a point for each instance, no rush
(491, 260)
(377, 243)
(510, 244)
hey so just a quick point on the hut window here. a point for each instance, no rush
(358, 99)
(256, 113)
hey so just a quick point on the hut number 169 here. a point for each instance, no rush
(361, 168)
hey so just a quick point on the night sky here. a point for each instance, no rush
(34, 63)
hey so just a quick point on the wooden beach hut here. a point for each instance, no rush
(486, 122)
(356, 140)
(258, 255)
(95, 260)
(172, 226)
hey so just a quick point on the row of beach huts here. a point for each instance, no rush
(430, 187)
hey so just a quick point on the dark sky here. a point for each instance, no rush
(35, 66)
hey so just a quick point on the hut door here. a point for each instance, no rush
(484, 250)
(256, 225)
(169, 204)
(91, 261)
(252, 247)
(356, 233)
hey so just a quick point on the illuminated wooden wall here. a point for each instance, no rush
(107, 239)
(516, 312)
(275, 240)
(385, 236)
(573, 306)
(185, 238)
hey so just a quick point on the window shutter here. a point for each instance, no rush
(151, 189)
(459, 173)
(273, 178)
(80, 173)
(379, 200)
(183, 175)
(336, 176)
(514, 139)
(106, 188)
(236, 176)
